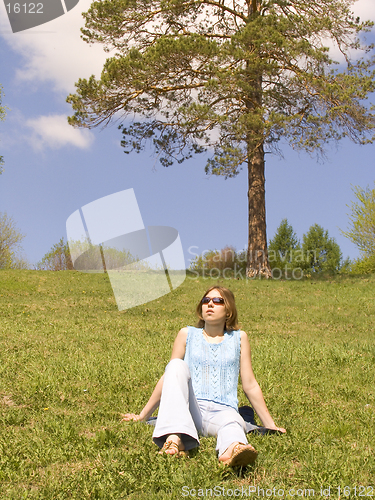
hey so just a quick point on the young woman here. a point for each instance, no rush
(198, 392)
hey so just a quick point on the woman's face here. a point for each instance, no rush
(214, 313)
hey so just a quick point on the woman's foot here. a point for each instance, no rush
(173, 446)
(238, 454)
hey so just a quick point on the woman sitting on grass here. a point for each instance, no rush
(198, 392)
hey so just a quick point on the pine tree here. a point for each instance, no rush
(284, 249)
(322, 253)
(231, 78)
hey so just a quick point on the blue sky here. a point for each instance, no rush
(51, 169)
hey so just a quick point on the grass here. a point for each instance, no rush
(71, 363)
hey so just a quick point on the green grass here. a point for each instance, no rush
(71, 363)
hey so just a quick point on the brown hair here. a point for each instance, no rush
(230, 306)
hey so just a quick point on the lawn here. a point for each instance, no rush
(71, 363)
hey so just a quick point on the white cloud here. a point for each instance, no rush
(365, 9)
(54, 52)
(54, 132)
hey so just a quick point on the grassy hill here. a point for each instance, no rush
(71, 363)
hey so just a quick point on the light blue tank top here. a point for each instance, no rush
(214, 368)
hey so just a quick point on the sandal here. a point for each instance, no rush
(171, 445)
(241, 456)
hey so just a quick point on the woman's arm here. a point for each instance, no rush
(178, 351)
(251, 387)
(150, 406)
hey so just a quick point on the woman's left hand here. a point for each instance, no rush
(130, 417)
(280, 429)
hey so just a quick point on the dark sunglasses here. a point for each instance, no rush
(215, 300)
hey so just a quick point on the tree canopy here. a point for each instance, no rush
(232, 78)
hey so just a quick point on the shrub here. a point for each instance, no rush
(57, 259)
(366, 265)
(226, 262)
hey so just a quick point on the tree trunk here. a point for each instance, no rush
(257, 253)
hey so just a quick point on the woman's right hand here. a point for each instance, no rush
(126, 417)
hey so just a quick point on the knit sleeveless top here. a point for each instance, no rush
(214, 368)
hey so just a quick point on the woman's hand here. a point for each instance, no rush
(127, 417)
(279, 429)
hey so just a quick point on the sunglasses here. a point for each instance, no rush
(215, 300)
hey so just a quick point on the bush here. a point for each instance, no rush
(57, 259)
(366, 265)
(226, 262)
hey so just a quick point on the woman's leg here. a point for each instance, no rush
(179, 412)
(225, 423)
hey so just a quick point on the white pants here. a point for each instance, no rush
(181, 413)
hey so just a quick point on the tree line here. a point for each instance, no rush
(288, 257)
(317, 252)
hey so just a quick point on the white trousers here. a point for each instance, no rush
(181, 413)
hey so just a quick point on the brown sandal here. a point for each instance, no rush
(241, 456)
(168, 445)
